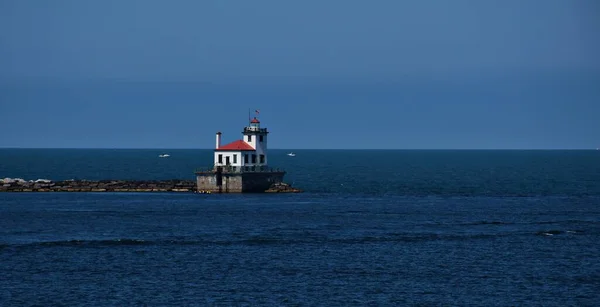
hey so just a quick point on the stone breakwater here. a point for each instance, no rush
(44, 185)
(174, 185)
(282, 188)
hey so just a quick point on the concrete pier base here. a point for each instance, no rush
(221, 180)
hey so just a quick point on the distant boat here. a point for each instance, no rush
(164, 156)
(291, 154)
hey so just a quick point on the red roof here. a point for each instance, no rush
(238, 145)
(255, 121)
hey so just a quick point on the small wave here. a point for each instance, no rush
(115, 242)
(558, 232)
(566, 222)
(288, 239)
(298, 202)
(578, 222)
(486, 223)
(549, 232)
(81, 243)
(353, 212)
(254, 240)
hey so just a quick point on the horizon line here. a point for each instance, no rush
(189, 148)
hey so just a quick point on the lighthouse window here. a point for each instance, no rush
(262, 158)
(254, 158)
(220, 158)
(234, 159)
(249, 138)
(246, 159)
(260, 138)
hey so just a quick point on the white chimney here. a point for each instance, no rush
(218, 139)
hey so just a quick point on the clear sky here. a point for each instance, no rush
(325, 74)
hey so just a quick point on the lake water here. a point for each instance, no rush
(452, 228)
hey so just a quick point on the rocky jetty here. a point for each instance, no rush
(282, 188)
(174, 185)
(45, 185)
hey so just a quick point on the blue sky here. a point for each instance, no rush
(325, 74)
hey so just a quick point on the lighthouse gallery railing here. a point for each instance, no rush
(240, 169)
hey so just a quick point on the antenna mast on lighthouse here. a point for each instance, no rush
(250, 117)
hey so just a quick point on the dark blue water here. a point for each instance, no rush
(456, 228)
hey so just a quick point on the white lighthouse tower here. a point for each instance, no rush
(257, 138)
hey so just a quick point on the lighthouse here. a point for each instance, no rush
(241, 165)
(249, 153)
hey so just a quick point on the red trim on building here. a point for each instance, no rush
(255, 121)
(238, 145)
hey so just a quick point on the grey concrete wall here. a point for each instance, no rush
(207, 182)
(260, 182)
(232, 183)
(239, 182)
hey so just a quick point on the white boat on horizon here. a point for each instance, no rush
(291, 154)
(164, 156)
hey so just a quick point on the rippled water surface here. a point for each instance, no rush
(434, 228)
